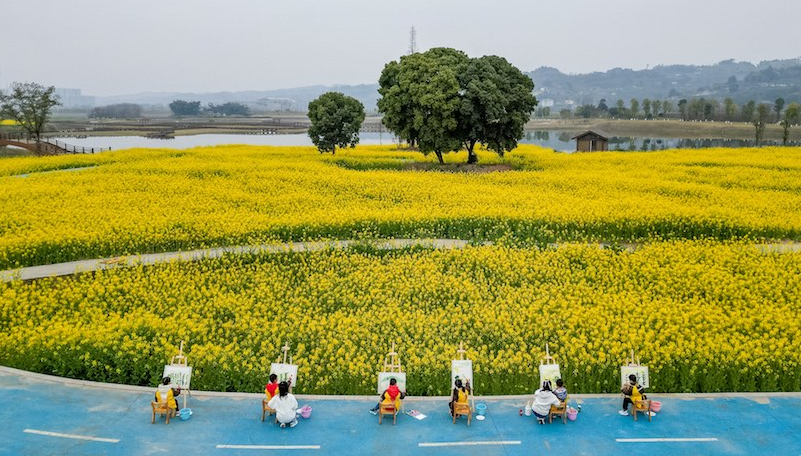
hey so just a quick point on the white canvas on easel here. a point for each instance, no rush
(549, 369)
(285, 371)
(461, 368)
(392, 369)
(385, 377)
(179, 372)
(641, 372)
(180, 375)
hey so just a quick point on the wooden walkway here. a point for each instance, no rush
(47, 146)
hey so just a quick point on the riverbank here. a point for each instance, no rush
(663, 128)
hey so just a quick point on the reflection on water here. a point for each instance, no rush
(561, 141)
(556, 140)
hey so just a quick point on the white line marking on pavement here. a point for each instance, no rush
(71, 436)
(270, 447)
(450, 444)
(703, 439)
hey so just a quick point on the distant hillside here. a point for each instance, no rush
(742, 81)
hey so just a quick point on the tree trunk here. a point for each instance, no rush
(439, 157)
(472, 158)
(786, 132)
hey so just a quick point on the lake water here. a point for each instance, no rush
(559, 141)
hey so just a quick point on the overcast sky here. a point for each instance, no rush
(111, 47)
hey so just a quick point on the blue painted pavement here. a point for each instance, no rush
(32, 406)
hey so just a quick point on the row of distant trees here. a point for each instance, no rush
(759, 115)
(182, 108)
(179, 108)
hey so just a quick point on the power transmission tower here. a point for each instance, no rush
(412, 41)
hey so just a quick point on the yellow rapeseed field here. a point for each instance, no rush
(704, 315)
(141, 201)
(704, 308)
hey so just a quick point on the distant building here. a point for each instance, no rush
(72, 98)
(590, 141)
(546, 103)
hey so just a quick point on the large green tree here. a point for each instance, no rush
(335, 121)
(441, 100)
(496, 103)
(420, 99)
(30, 104)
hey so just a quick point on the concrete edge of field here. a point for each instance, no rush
(4, 370)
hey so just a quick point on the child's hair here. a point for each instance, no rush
(633, 378)
(273, 378)
(560, 383)
(166, 380)
(283, 389)
(458, 383)
(392, 381)
(546, 385)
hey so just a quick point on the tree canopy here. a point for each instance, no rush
(335, 121)
(30, 104)
(229, 109)
(185, 108)
(442, 100)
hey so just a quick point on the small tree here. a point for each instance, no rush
(791, 116)
(30, 105)
(778, 106)
(763, 111)
(635, 108)
(747, 111)
(335, 121)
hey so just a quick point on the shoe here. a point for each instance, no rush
(283, 425)
(541, 420)
(651, 413)
(293, 423)
(374, 412)
(623, 412)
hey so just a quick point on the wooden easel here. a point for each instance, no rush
(548, 359)
(285, 349)
(632, 363)
(392, 361)
(461, 351)
(180, 360)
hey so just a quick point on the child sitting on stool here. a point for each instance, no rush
(544, 398)
(285, 406)
(560, 391)
(633, 393)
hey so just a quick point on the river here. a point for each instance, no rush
(556, 140)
